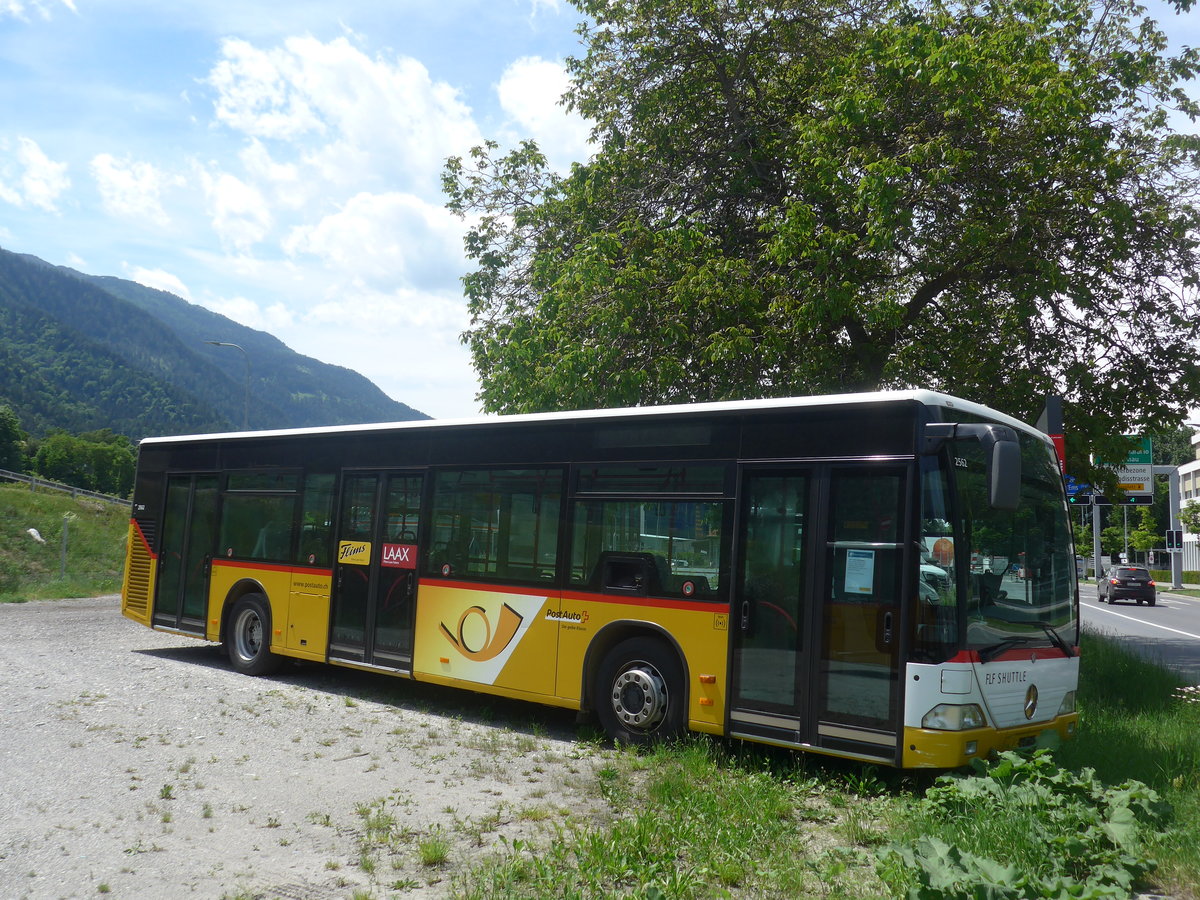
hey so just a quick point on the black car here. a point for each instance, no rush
(1127, 583)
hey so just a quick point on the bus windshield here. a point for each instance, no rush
(1020, 571)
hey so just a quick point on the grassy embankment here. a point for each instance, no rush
(709, 818)
(30, 570)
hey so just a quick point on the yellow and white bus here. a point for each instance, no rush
(796, 572)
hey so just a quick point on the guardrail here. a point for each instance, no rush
(34, 483)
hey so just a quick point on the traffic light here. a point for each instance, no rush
(1079, 499)
(1174, 539)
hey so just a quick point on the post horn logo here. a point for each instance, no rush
(493, 643)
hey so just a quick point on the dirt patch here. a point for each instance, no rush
(138, 764)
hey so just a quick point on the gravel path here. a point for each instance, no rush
(137, 764)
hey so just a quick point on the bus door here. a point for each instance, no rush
(375, 569)
(857, 685)
(816, 614)
(185, 552)
(771, 612)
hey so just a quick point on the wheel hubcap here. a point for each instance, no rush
(639, 696)
(249, 634)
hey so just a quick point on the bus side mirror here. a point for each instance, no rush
(1001, 452)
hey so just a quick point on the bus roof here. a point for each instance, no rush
(928, 398)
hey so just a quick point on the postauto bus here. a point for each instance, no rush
(796, 571)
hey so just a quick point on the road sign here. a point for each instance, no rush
(1135, 475)
(1127, 500)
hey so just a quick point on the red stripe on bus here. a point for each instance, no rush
(653, 602)
(579, 596)
(142, 537)
(1015, 655)
(488, 588)
(262, 567)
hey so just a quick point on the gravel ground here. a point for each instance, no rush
(137, 764)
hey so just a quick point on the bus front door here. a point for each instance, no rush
(771, 615)
(858, 674)
(375, 570)
(185, 552)
(816, 614)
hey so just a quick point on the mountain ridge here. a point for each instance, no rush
(84, 352)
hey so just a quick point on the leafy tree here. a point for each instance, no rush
(807, 196)
(106, 466)
(1146, 535)
(12, 441)
(1189, 515)
(1174, 447)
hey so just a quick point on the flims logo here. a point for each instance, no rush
(474, 637)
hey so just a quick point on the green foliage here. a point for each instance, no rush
(1147, 535)
(30, 570)
(12, 441)
(802, 197)
(1189, 515)
(104, 463)
(1064, 834)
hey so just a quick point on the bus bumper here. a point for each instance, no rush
(928, 749)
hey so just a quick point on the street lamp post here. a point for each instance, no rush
(246, 396)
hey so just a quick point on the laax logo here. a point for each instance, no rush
(467, 642)
(399, 556)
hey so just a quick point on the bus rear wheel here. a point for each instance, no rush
(249, 637)
(639, 696)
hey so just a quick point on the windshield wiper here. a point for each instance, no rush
(1056, 638)
(987, 654)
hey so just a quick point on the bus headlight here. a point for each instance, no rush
(1068, 704)
(953, 717)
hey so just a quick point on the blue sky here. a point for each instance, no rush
(279, 162)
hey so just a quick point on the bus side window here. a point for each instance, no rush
(316, 521)
(499, 524)
(665, 548)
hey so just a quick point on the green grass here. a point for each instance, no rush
(1115, 811)
(33, 571)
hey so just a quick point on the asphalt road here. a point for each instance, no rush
(1168, 632)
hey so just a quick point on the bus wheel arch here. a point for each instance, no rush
(635, 679)
(246, 631)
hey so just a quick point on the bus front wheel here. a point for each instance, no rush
(249, 640)
(639, 694)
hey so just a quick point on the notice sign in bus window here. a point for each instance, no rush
(860, 571)
(399, 556)
(355, 553)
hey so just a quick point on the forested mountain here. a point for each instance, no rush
(82, 352)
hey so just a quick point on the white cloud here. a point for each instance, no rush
(239, 212)
(132, 190)
(273, 318)
(17, 8)
(351, 117)
(257, 92)
(529, 91)
(30, 178)
(159, 279)
(284, 181)
(386, 240)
